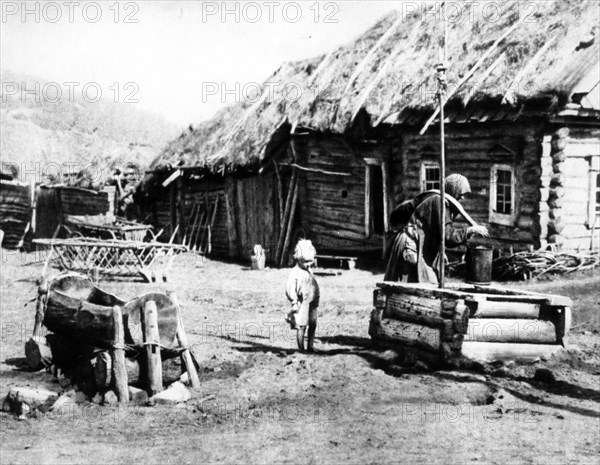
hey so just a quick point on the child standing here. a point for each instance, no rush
(302, 291)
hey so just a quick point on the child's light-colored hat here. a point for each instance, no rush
(305, 250)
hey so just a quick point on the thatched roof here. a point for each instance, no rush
(391, 68)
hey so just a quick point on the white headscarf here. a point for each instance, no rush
(305, 250)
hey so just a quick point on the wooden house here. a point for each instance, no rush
(522, 123)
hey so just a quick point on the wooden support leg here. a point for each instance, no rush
(118, 357)
(38, 355)
(152, 342)
(186, 355)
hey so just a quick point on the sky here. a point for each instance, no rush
(179, 59)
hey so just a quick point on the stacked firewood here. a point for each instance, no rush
(527, 265)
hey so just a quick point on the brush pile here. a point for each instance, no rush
(528, 265)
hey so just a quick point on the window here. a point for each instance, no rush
(594, 198)
(504, 191)
(430, 176)
(502, 195)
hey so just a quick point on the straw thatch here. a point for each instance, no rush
(391, 67)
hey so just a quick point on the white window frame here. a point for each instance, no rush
(506, 219)
(593, 219)
(424, 166)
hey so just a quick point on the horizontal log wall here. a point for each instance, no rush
(472, 150)
(334, 205)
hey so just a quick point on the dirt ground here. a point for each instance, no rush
(262, 402)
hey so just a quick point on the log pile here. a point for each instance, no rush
(449, 326)
(106, 346)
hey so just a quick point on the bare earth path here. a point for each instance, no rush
(262, 402)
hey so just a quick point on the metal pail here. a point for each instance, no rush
(479, 264)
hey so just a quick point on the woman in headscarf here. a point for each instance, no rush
(415, 252)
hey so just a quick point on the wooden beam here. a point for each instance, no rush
(118, 357)
(172, 177)
(290, 223)
(152, 343)
(316, 170)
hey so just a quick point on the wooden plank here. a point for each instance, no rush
(473, 291)
(503, 309)
(152, 343)
(511, 330)
(492, 351)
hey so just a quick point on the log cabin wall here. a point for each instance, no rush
(572, 167)
(477, 151)
(334, 206)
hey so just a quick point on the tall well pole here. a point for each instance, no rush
(441, 91)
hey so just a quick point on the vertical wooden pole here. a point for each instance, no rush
(152, 342)
(186, 355)
(386, 208)
(33, 206)
(181, 220)
(441, 69)
(118, 357)
(173, 209)
(290, 223)
(288, 203)
(367, 201)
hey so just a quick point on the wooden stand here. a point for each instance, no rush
(88, 340)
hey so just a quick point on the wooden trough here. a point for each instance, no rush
(92, 327)
(481, 323)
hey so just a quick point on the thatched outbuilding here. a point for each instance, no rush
(524, 128)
